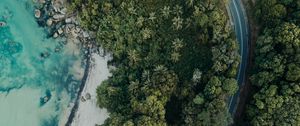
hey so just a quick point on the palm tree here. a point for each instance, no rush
(166, 11)
(175, 56)
(160, 68)
(152, 16)
(133, 56)
(188, 22)
(146, 75)
(140, 21)
(146, 33)
(132, 10)
(197, 11)
(133, 87)
(177, 22)
(197, 76)
(177, 44)
(178, 10)
(190, 3)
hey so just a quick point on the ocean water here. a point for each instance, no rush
(34, 91)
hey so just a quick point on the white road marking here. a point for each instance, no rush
(240, 24)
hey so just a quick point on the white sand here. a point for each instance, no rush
(89, 113)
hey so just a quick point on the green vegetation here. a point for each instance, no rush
(276, 97)
(175, 61)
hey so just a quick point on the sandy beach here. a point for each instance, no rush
(88, 113)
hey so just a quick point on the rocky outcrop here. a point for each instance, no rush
(37, 13)
(60, 24)
(52, 14)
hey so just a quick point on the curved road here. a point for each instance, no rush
(239, 20)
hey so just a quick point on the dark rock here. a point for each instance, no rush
(87, 96)
(82, 99)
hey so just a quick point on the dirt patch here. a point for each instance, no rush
(247, 87)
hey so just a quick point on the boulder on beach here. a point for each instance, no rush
(42, 1)
(87, 96)
(68, 20)
(37, 13)
(77, 29)
(56, 5)
(58, 16)
(74, 33)
(49, 22)
(82, 99)
(85, 34)
(2, 24)
(55, 35)
(60, 31)
(68, 28)
(63, 11)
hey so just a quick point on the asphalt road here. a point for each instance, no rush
(239, 19)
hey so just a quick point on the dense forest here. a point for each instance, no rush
(276, 74)
(174, 62)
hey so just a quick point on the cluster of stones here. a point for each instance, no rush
(86, 97)
(54, 15)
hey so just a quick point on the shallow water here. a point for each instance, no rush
(26, 79)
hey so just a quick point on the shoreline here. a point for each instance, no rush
(87, 113)
(74, 109)
(52, 16)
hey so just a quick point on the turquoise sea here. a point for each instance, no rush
(34, 91)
